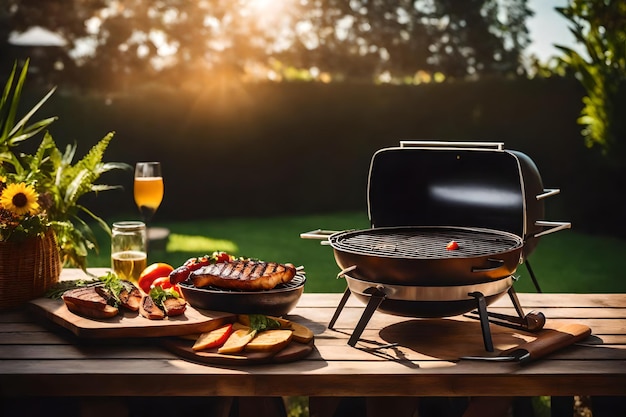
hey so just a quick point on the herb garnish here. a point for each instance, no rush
(110, 283)
(259, 322)
(159, 295)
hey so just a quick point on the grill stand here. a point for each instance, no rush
(533, 321)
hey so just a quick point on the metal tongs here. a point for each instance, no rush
(547, 341)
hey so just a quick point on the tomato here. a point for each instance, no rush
(164, 282)
(452, 245)
(196, 263)
(222, 257)
(151, 273)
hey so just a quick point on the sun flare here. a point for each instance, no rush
(264, 6)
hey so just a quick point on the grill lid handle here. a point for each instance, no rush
(499, 146)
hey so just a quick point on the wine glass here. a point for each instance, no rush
(148, 188)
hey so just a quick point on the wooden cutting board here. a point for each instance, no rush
(131, 324)
(193, 322)
(182, 348)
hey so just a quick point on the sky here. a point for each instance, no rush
(547, 28)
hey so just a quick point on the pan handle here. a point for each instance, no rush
(554, 227)
(499, 264)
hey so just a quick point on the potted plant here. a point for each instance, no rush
(42, 222)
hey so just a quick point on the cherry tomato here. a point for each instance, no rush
(222, 257)
(164, 282)
(452, 245)
(151, 273)
(195, 263)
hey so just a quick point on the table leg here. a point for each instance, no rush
(261, 407)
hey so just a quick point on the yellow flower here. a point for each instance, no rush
(20, 199)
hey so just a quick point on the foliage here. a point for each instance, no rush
(50, 177)
(600, 27)
(173, 42)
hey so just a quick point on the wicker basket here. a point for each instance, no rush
(28, 269)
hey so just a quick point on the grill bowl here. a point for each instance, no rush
(416, 255)
(278, 301)
(429, 302)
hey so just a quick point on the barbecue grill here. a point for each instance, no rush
(450, 223)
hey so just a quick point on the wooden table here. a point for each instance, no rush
(39, 357)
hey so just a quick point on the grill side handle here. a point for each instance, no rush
(548, 192)
(553, 226)
(319, 234)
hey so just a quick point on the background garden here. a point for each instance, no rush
(251, 168)
(265, 115)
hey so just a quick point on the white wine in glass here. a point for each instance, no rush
(148, 188)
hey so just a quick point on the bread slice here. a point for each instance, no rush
(243, 275)
(270, 340)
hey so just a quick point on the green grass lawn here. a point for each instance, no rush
(567, 261)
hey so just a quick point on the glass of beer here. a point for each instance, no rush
(148, 188)
(129, 249)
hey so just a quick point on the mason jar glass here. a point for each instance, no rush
(129, 249)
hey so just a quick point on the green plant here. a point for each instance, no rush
(41, 191)
(600, 27)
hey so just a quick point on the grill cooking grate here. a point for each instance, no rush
(425, 243)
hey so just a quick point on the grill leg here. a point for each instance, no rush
(532, 276)
(377, 297)
(342, 303)
(516, 303)
(484, 319)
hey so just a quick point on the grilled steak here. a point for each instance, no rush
(243, 275)
(87, 302)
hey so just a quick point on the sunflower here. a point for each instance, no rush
(20, 199)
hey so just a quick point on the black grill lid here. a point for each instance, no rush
(451, 186)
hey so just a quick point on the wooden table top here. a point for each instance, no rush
(39, 356)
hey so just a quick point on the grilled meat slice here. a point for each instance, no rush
(130, 296)
(150, 310)
(243, 275)
(87, 302)
(174, 306)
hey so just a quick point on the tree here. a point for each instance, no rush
(167, 41)
(600, 26)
